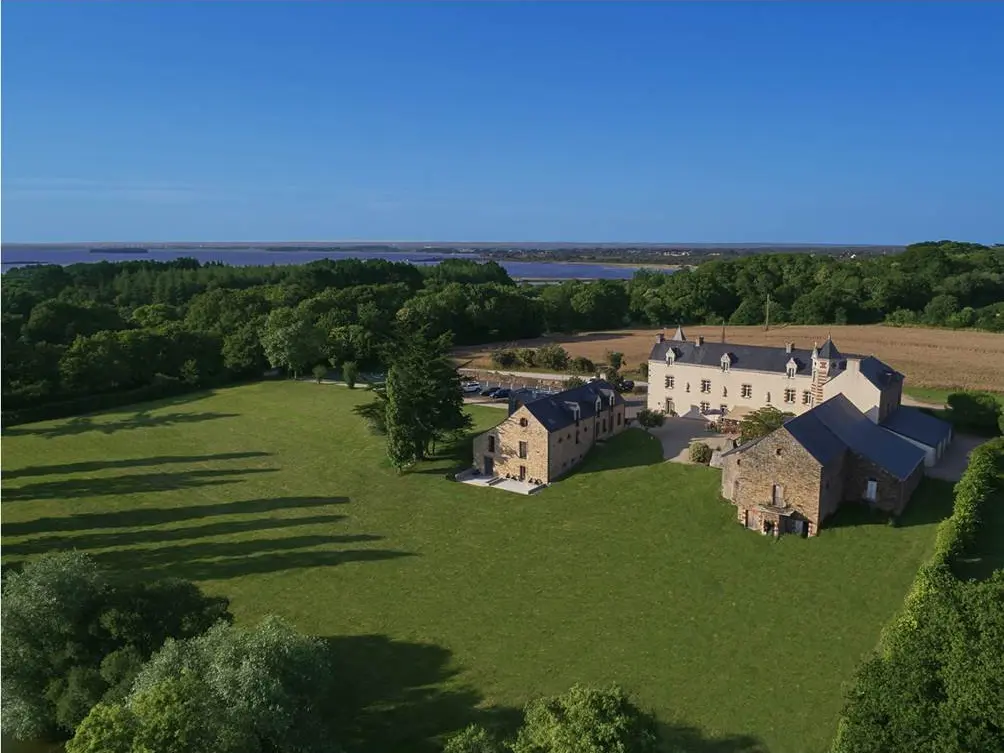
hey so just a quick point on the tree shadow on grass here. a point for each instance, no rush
(160, 535)
(101, 465)
(399, 696)
(152, 516)
(141, 420)
(129, 484)
(931, 503)
(682, 739)
(629, 449)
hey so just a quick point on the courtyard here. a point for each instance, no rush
(453, 603)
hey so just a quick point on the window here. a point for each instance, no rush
(705, 385)
(725, 391)
(670, 382)
(768, 398)
(522, 449)
(491, 444)
(789, 396)
(688, 387)
(806, 397)
(619, 417)
(705, 407)
(723, 408)
(604, 424)
(777, 451)
(791, 372)
(747, 391)
(523, 422)
(576, 437)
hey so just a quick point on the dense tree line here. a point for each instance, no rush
(107, 328)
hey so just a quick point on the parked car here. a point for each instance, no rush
(490, 391)
(626, 385)
(471, 386)
(502, 394)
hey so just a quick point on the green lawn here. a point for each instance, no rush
(937, 396)
(449, 602)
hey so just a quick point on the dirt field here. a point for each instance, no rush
(928, 357)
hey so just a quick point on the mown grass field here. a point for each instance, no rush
(451, 603)
(938, 358)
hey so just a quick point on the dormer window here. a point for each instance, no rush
(671, 356)
(726, 361)
(791, 368)
(599, 404)
(611, 401)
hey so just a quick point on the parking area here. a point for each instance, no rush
(953, 463)
(676, 434)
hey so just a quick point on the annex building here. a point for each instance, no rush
(545, 436)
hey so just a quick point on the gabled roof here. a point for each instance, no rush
(879, 373)
(750, 357)
(917, 425)
(836, 421)
(556, 411)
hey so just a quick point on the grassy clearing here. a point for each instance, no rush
(939, 396)
(453, 600)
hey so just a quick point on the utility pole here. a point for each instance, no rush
(766, 324)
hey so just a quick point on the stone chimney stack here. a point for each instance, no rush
(700, 340)
(661, 337)
(788, 347)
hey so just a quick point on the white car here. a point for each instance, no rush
(472, 387)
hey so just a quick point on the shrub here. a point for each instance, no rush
(651, 418)
(473, 739)
(582, 365)
(700, 453)
(573, 382)
(504, 358)
(552, 357)
(979, 412)
(350, 372)
(586, 720)
(761, 422)
(643, 368)
(526, 357)
(615, 359)
(319, 372)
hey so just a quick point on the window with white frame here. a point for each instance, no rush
(670, 382)
(746, 391)
(789, 396)
(705, 385)
(806, 397)
(705, 407)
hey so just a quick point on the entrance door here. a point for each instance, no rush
(489, 465)
(669, 406)
(777, 496)
(522, 473)
(871, 490)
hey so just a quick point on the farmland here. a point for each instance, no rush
(932, 358)
(451, 603)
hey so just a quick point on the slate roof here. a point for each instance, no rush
(917, 425)
(835, 422)
(749, 357)
(879, 373)
(555, 412)
(829, 350)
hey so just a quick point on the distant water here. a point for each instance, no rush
(14, 256)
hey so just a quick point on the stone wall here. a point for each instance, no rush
(892, 494)
(779, 459)
(548, 455)
(831, 494)
(508, 435)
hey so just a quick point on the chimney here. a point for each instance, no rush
(661, 337)
(700, 340)
(788, 347)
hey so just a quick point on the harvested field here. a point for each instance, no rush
(938, 358)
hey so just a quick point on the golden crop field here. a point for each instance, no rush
(935, 358)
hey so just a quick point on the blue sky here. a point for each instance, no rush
(659, 122)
